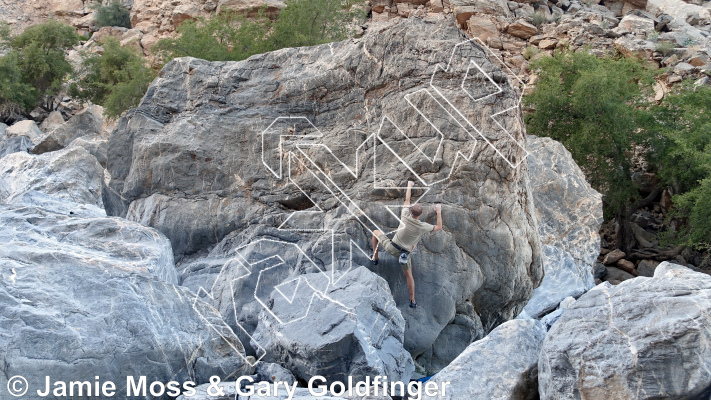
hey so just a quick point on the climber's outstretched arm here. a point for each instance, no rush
(438, 227)
(410, 184)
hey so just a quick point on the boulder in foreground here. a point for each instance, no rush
(646, 338)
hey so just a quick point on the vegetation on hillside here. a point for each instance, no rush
(111, 13)
(599, 109)
(229, 36)
(34, 67)
(117, 78)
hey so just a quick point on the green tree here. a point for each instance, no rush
(35, 66)
(312, 22)
(593, 105)
(227, 36)
(116, 79)
(679, 132)
(230, 36)
(16, 97)
(112, 13)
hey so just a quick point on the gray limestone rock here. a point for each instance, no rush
(52, 122)
(569, 213)
(348, 329)
(86, 122)
(642, 339)
(77, 302)
(503, 365)
(86, 239)
(14, 144)
(26, 128)
(68, 176)
(188, 161)
(95, 145)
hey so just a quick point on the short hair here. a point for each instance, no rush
(416, 210)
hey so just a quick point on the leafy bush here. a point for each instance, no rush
(112, 14)
(529, 52)
(589, 105)
(679, 131)
(35, 66)
(538, 18)
(665, 47)
(117, 79)
(593, 105)
(16, 97)
(312, 22)
(229, 36)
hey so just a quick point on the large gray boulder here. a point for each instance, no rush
(86, 122)
(33, 236)
(645, 338)
(351, 329)
(190, 161)
(81, 297)
(54, 181)
(503, 365)
(569, 213)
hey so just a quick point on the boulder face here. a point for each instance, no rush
(354, 329)
(501, 366)
(87, 122)
(68, 240)
(569, 213)
(74, 318)
(12, 144)
(70, 175)
(228, 152)
(645, 338)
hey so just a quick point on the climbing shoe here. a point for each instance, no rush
(413, 304)
(375, 262)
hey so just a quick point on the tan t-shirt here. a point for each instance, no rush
(410, 230)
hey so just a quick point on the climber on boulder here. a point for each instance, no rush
(408, 234)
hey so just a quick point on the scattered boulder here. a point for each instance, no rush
(71, 175)
(627, 266)
(613, 256)
(95, 145)
(616, 275)
(636, 24)
(647, 268)
(53, 121)
(569, 213)
(642, 339)
(522, 29)
(639, 48)
(501, 366)
(464, 9)
(9, 145)
(86, 122)
(353, 329)
(26, 128)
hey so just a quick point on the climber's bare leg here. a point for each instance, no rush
(375, 244)
(410, 283)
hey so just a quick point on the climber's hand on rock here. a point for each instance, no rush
(410, 184)
(438, 207)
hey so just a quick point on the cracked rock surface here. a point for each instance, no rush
(646, 338)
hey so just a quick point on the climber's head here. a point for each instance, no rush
(416, 210)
